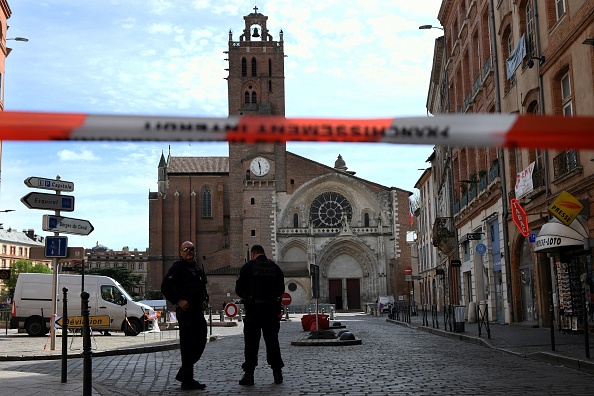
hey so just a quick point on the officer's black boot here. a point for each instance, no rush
(278, 376)
(248, 378)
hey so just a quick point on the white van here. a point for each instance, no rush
(32, 303)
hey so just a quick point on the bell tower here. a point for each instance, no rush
(256, 86)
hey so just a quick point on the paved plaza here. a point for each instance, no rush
(392, 359)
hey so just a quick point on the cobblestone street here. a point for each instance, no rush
(391, 360)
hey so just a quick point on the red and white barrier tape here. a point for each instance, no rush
(479, 130)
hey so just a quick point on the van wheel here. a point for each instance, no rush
(35, 327)
(132, 327)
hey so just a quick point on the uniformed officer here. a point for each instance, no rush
(185, 286)
(261, 283)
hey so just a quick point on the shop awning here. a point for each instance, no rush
(555, 234)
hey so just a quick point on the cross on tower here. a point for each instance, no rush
(255, 9)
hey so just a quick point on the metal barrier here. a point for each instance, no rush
(482, 316)
(448, 316)
(434, 317)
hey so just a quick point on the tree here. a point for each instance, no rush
(122, 275)
(153, 295)
(24, 266)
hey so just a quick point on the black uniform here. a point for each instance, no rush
(261, 283)
(186, 281)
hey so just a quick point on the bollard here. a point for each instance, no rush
(239, 313)
(210, 317)
(65, 335)
(331, 313)
(87, 353)
(287, 313)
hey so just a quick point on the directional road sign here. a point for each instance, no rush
(77, 321)
(56, 246)
(36, 200)
(67, 225)
(49, 184)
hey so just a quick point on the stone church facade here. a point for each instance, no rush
(302, 212)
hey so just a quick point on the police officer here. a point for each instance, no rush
(261, 283)
(185, 286)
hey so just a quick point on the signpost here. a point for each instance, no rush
(36, 200)
(519, 217)
(66, 225)
(56, 246)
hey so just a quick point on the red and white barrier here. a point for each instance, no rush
(479, 130)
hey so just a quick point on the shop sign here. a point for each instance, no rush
(565, 208)
(519, 217)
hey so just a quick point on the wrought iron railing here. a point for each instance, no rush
(565, 163)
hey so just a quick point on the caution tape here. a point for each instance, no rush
(478, 130)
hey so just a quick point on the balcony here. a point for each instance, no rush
(444, 234)
(566, 165)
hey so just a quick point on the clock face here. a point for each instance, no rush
(259, 166)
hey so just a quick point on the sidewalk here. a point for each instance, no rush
(530, 342)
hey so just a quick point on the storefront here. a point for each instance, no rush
(572, 271)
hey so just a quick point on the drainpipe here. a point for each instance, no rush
(501, 165)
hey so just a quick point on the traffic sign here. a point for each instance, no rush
(67, 225)
(408, 270)
(77, 321)
(56, 246)
(36, 200)
(481, 248)
(286, 299)
(231, 310)
(5, 274)
(49, 184)
(519, 217)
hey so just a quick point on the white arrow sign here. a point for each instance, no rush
(49, 184)
(66, 225)
(36, 200)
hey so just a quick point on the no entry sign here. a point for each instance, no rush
(286, 299)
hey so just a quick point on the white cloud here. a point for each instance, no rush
(82, 155)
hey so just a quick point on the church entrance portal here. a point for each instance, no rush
(353, 293)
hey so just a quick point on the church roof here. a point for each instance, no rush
(198, 165)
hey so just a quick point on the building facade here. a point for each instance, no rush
(305, 214)
(526, 57)
(15, 245)
(135, 260)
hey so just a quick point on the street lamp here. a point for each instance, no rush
(445, 51)
(18, 39)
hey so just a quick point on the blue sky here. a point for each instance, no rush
(346, 59)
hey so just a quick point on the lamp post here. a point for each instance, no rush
(18, 39)
(445, 68)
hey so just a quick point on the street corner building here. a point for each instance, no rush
(302, 212)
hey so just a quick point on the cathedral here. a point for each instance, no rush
(306, 215)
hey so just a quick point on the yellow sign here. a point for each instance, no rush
(565, 208)
(94, 321)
